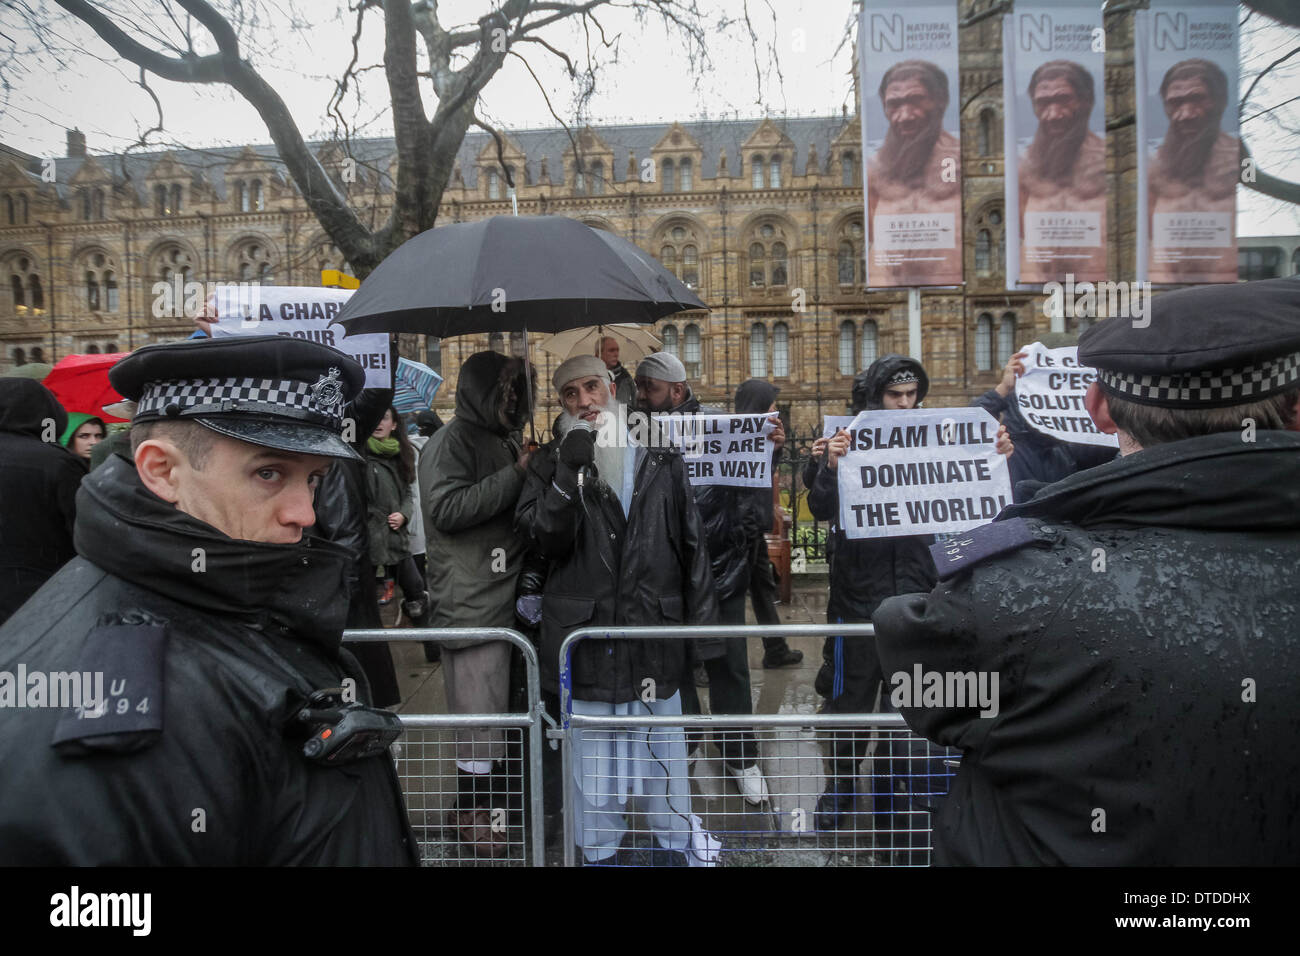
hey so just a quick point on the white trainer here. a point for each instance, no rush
(750, 783)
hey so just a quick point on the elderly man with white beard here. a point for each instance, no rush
(617, 525)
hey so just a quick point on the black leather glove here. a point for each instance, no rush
(578, 449)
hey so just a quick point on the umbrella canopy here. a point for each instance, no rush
(414, 386)
(514, 273)
(80, 383)
(634, 341)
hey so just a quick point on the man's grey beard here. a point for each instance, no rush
(1053, 157)
(1184, 158)
(904, 159)
(610, 451)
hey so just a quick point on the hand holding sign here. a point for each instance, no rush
(1015, 367)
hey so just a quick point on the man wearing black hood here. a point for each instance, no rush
(754, 396)
(471, 473)
(38, 488)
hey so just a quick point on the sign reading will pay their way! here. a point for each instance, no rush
(921, 471)
(1050, 396)
(722, 449)
(300, 312)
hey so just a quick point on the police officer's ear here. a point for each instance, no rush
(1095, 402)
(157, 461)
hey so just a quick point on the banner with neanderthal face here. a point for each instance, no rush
(911, 142)
(1189, 156)
(1054, 66)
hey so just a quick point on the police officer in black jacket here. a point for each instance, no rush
(202, 623)
(1141, 616)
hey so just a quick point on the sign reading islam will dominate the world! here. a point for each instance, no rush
(921, 471)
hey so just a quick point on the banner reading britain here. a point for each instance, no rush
(1053, 65)
(911, 142)
(1189, 156)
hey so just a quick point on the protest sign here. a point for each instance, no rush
(921, 471)
(722, 449)
(1050, 396)
(833, 423)
(301, 312)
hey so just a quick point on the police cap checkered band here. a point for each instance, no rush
(316, 404)
(1206, 389)
(902, 377)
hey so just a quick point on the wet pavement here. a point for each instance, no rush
(782, 829)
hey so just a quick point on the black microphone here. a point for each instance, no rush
(582, 424)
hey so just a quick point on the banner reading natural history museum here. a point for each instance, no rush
(1053, 71)
(1189, 156)
(911, 142)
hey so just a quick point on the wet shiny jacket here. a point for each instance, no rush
(650, 568)
(248, 638)
(1147, 645)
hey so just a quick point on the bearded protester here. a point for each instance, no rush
(1063, 170)
(1196, 167)
(210, 624)
(617, 523)
(38, 489)
(1039, 458)
(864, 572)
(471, 473)
(756, 395)
(730, 523)
(1130, 612)
(918, 166)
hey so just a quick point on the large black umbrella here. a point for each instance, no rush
(514, 273)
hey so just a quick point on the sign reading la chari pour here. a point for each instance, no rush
(921, 471)
(301, 312)
(1050, 396)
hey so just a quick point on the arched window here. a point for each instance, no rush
(97, 205)
(19, 294)
(847, 333)
(92, 349)
(38, 354)
(517, 344)
(985, 136)
(101, 285)
(241, 195)
(758, 350)
(984, 342)
(668, 258)
(110, 294)
(870, 343)
(259, 197)
(36, 295)
(774, 180)
(757, 265)
(28, 293)
(691, 350)
(9, 212)
(160, 200)
(781, 350)
(85, 204)
(20, 357)
(92, 291)
(670, 339)
(669, 171)
(691, 267)
(579, 179)
(175, 209)
(171, 261)
(497, 342)
(758, 169)
(844, 263)
(1006, 338)
(110, 348)
(597, 178)
(848, 170)
(254, 262)
(493, 184)
(686, 173)
(983, 252)
(780, 276)
(23, 208)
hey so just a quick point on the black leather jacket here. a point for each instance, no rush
(650, 568)
(212, 657)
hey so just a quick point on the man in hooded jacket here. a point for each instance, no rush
(471, 473)
(202, 622)
(38, 488)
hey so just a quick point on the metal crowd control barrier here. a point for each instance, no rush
(499, 832)
(908, 775)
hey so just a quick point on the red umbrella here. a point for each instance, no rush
(80, 383)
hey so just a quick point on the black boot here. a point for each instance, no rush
(835, 806)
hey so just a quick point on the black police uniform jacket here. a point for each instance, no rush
(650, 568)
(1149, 706)
(207, 656)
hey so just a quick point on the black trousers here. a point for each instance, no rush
(763, 592)
(729, 690)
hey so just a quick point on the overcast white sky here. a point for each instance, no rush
(651, 81)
